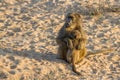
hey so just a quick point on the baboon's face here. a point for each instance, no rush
(72, 20)
(76, 34)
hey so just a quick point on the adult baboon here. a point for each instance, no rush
(73, 21)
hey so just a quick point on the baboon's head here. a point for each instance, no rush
(75, 34)
(73, 20)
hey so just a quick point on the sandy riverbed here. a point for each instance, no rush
(28, 50)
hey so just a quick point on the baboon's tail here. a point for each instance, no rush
(99, 52)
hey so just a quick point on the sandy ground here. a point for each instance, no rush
(28, 50)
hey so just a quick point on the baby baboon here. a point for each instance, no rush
(75, 40)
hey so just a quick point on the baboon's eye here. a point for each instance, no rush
(69, 20)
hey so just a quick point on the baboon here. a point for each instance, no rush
(72, 41)
(73, 21)
(73, 25)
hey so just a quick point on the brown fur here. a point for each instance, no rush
(75, 40)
